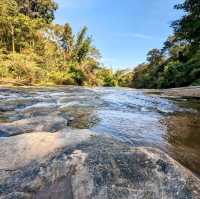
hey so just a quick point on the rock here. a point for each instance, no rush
(190, 92)
(4, 108)
(35, 124)
(79, 165)
(80, 117)
(21, 150)
(184, 92)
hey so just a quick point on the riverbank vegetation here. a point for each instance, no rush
(177, 64)
(34, 50)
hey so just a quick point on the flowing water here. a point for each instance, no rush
(137, 117)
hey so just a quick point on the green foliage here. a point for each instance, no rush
(82, 46)
(67, 38)
(123, 78)
(21, 67)
(38, 9)
(33, 50)
(188, 27)
(181, 64)
(8, 8)
(196, 82)
(107, 77)
(170, 74)
(154, 56)
(60, 78)
(77, 74)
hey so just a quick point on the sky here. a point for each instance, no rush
(123, 30)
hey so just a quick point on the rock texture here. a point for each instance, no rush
(79, 165)
(35, 124)
(186, 92)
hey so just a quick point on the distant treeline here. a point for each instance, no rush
(178, 62)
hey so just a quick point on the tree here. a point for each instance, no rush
(16, 29)
(176, 49)
(83, 48)
(38, 9)
(81, 45)
(154, 56)
(123, 77)
(35, 50)
(107, 77)
(8, 12)
(188, 27)
(8, 7)
(81, 37)
(181, 67)
(67, 38)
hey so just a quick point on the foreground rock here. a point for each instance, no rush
(79, 165)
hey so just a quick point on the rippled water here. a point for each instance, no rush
(137, 117)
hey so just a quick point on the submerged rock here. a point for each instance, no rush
(79, 165)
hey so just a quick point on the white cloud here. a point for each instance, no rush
(135, 35)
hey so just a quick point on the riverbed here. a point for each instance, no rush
(135, 117)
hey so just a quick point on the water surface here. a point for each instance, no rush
(137, 117)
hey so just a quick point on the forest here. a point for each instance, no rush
(36, 51)
(177, 64)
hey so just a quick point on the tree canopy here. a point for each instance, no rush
(38, 8)
(178, 62)
(34, 50)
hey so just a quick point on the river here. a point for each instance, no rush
(136, 117)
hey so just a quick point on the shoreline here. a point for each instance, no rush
(182, 92)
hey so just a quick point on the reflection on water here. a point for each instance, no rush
(183, 135)
(183, 129)
(133, 116)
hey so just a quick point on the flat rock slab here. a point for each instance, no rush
(190, 92)
(79, 165)
(185, 92)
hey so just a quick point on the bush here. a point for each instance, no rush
(21, 67)
(60, 78)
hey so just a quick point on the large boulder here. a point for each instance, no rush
(79, 165)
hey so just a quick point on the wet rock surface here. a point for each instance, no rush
(183, 92)
(188, 92)
(36, 124)
(42, 157)
(78, 164)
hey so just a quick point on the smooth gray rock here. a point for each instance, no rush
(79, 165)
(51, 123)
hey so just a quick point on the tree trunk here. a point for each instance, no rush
(13, 39)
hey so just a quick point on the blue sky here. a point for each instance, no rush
(123, 30)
